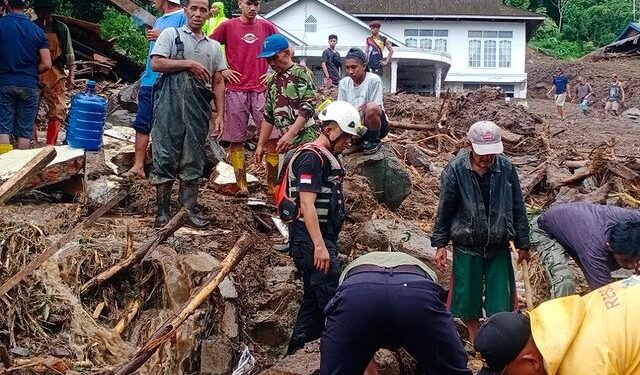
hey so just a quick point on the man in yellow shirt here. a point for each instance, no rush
(594, 334)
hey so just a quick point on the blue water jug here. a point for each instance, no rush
(86, 119)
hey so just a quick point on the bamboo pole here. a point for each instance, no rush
(168, 329)
(527, 279)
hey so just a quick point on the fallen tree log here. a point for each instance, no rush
(176, 222)
(45, 255)
(622, 171)
(135, 11)
(15, 183)
(132, 311)
(533, 178)
(168, 329)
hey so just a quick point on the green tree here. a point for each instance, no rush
(522, 4)
(131, 38)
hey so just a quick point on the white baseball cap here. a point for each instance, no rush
(175, 2)
(485, 138)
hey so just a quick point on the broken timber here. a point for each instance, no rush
(67, 163)
(168, 329)
(15, 183)
(176, 222)
(44, 256)
(134, 10)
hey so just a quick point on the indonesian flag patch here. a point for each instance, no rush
(305, 179)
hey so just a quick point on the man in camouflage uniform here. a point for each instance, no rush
(290, 106)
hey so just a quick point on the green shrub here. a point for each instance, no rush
(131, 39)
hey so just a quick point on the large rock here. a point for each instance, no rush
(128, 97)
(632, 113)
(121, 117)
(216, 357)
(306, 361)
(417, 158)
(387, 175)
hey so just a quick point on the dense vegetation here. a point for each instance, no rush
(581, 26)
(574, 27)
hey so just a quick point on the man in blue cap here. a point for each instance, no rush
(289, 106)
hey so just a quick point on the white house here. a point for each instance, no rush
(456, 44)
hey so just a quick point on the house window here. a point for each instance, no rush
(475, 47)
(505, 54)
(428, 39)
(310, 25)
(490, 48)
(489, 53)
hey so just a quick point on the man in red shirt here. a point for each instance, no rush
(246, 83)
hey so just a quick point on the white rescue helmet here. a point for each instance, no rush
(345, 115)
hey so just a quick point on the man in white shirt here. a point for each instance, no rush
(364, 91)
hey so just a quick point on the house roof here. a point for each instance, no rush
(285, 4)
(631, 26)
(420, 8)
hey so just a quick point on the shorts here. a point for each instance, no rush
(144, 117)
(474, 277)
(612, 106)
(239, 106)
(18, 110)
(560, 99)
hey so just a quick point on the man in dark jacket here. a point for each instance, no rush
(599, 238)
(481, 209)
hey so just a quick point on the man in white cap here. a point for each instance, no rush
(481, 209)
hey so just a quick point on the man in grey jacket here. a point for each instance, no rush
(481, 209)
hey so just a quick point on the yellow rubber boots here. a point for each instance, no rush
(237, 161)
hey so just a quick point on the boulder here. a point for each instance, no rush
(121, 117)
(128, 97)
(216, 356)
(306, 361)
(417, 158)
(389, 179)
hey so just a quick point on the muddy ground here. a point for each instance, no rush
(50, 329)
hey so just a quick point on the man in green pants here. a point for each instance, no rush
(481, 209)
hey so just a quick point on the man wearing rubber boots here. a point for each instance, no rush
(289, 107)
(190, 64)
(314, 182)
(62, 57)
(246, 79)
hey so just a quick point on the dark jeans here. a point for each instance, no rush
(144, 117)
(18, 110)
(319, 288)
(373, 310)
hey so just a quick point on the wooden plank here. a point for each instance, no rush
(68, 162)
(45, 255)
(134, 10)
(15, 183)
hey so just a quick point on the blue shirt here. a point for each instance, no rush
(561, 83)
(20, 43)
(175, 19)
(583, 230)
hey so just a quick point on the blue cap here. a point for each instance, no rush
(272, 45)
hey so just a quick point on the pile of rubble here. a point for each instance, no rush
(113, 283)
